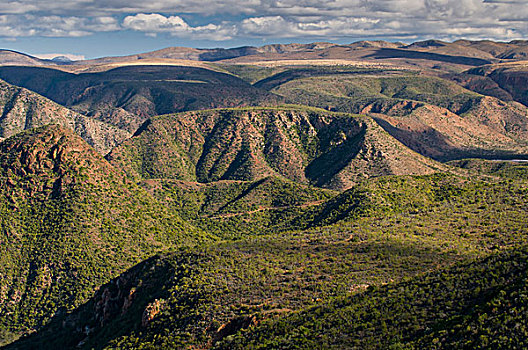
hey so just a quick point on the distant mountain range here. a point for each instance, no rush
(483, 50)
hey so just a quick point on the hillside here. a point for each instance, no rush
(308, 146)
(432, 116)
(517, 170)
(69, 222)
(21, 109)
(254, 290)
(484, 50)
(510, 78)
(477, 306)
(125, 97)
(430, 55)
(14, 58)
(238, 209)
(370, 195)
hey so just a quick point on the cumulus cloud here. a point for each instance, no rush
(495, 19)
(174, 25)
(277, 26)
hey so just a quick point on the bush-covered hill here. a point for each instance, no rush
(403, 227)
(235, 209)
(266, 225)
(69, 222)
(482, 305)
(309, 146)
(21, 109)
(514, 169)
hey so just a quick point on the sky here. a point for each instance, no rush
(96, 28)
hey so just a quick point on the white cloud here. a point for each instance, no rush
(49, 56)
(54, 26)
(155, 23)
(174, 25)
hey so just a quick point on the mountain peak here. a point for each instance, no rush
(61, 59)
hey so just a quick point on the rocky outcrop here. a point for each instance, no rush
(48, 160)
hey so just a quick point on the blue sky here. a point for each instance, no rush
(95, 28)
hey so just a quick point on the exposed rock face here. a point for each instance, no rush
(235, 325)
(49, 163)
(21, 109)
(324, 149)
(151, 311)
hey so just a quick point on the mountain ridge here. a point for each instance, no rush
(302, 145)
(21, 109)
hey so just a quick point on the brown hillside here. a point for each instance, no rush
(308, 146)
(13, 58)
(488, 127)
(510, 77)
(21, 109)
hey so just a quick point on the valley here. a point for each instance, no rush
(370, 195)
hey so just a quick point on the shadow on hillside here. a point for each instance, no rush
(432, 144)
(397, 53)
(114, 310)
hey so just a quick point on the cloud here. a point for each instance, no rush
(278, 26)
(49, 56)
(54, 26)
(472, 19)
(174, 25)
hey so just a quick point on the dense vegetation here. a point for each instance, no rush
(381, 232)
(68, 222)
(477, 306)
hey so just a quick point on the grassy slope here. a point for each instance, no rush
(68, 223)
